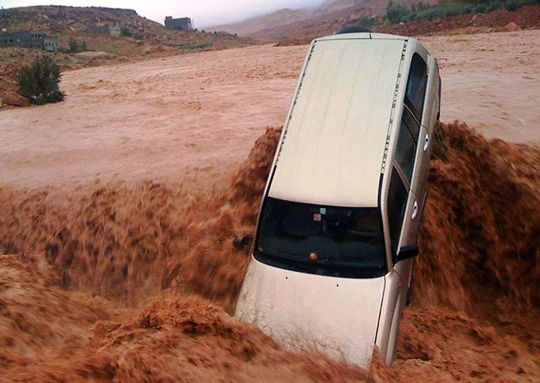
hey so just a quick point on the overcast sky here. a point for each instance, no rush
(203, 12)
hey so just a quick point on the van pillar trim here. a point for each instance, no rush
(285, 128)
(380, 312)
(394, 104)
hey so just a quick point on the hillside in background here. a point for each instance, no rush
(141, 38)
(293, 27)
(254, 24)
(60, 19)
(307, 23)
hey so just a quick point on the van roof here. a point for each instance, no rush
(334, 142)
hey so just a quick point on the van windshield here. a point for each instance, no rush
(318, 239)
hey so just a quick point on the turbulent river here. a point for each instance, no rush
(137, 282)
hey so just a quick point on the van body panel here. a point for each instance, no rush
(422, 164)
(385, 36)
(411, 221)
(389, 309)
(338, 125)
(337, 316)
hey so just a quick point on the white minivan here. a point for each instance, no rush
(336, 236)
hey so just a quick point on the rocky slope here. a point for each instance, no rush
(61, 19)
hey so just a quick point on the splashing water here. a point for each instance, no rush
(167, 248)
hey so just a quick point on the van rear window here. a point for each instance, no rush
(319, 239)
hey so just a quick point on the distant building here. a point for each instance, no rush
(29, 39)
(97, 30)
(50, 44)
(182, 24)
(113, 30)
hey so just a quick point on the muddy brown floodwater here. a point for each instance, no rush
(118, 209)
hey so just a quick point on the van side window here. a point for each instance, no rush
(397, 200)
(416, 86)
(407, 141)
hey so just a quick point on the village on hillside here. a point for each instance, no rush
(39, 39)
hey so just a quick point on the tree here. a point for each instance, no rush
(73, 46)
(39, 81)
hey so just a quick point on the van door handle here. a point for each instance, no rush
(415, 210)
(426, 142)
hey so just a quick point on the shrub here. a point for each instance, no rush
(493, 5)
(522, 3)
(467, 9)
(39, 81)
(431, 13)
(396, 12)
(511, 5)
(449, 12)
(126, 32)
(481, 8)
(73, 46)
(366, 21)
(192, 46)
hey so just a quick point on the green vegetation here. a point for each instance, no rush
(397, 13)
(124, 32)
(401, 13)
(366, 21)
(39, 81)
(75, 46)
(192, 46)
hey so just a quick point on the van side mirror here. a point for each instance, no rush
(407, 252)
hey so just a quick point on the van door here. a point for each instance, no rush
(417, 109)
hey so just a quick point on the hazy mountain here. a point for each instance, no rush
(253, 24)
(304, 24)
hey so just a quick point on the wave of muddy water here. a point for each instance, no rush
(115, 282)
